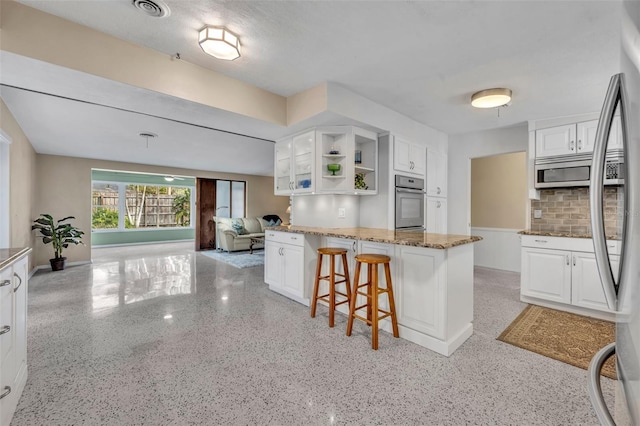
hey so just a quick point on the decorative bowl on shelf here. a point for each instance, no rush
(333, 168)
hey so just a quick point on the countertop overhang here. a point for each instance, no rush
(405, 238)
(9, 255)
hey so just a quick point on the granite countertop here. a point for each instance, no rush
(8, 255)
(563, 234)
(404, 238)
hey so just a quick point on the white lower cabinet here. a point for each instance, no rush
(289, 262)
(566, 273)
(420, 298)
(13, 337)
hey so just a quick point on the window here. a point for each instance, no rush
(136, 206)
(104, 206)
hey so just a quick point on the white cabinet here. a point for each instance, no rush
(13, 337)
(546, 274)
(436, 173)
(578, 138)
(352, 153)
(436, 215)
(330, 160)
(587, 290)
(284, 263)
(564, 271)
(421, 297)
(408, 157)
(294, 169)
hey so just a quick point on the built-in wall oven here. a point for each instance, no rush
(409, 203)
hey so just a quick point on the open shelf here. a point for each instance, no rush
(362, 169)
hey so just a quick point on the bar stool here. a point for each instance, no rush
(373, 291)
(331, 278)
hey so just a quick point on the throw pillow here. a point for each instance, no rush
(237, 226)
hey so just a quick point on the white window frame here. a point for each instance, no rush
(122, 210)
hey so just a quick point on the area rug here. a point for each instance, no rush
(238, 259)
(563, 336)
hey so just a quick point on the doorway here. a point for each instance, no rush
(217, 197)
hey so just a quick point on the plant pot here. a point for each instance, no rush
(57, 264)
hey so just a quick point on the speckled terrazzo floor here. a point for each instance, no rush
(161, 335)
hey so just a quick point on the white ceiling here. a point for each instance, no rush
(423, 59)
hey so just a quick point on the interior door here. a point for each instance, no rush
(206, 205)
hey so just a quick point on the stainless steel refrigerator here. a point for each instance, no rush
(623, 296)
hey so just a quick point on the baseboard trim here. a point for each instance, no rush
(142, 243)
(78, 263)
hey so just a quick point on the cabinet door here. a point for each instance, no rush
(418, 159)
(436, 173)
(420, 300)
(559, 140)
(546, 274)
(303, 166)
(293, 269)
(586, 135)
(282, 175)
(7, 346)
(436, 212)
(273, 263)
(586, 287)
(401, 155)
(20, 285)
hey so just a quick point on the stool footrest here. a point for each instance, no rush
(322, 299)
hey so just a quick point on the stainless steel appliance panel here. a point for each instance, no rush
(409, 202)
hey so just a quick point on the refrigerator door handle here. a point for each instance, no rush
(593, 383)
(615, 94)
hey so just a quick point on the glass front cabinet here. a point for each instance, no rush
(328, 160)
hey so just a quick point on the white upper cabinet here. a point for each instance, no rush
(560, 140)
(408, 157)
(295, 164)
(328, 160)
(436, 173)
(577, 138)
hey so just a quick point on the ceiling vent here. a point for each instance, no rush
(155, 9)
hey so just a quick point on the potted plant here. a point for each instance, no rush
(59, 234)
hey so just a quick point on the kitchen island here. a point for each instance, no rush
(432, 276)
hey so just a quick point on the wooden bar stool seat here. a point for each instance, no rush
(330, 297)
(373, 292)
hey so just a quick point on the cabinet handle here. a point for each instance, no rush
(572, 145)
(354, 246)
(567, 260)
(294, 238)
(541, 241)
(5, 282)
(438, 204)
(579, 144)
(574, 260)
(439, 190)
(7, 391)
(5, 329)
(19, 283)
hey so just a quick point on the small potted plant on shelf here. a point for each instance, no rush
(59, 234)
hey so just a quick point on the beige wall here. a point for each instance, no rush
(22, 169)
(65, 190)
(499, 191)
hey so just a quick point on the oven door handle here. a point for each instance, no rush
(411, 191)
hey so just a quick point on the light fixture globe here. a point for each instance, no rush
(491, 98)
(220, 43)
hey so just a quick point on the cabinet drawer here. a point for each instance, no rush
(571, 244)
(285, 237)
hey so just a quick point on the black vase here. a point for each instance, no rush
(57, 264)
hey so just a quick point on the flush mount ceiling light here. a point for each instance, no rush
(491, 98)
(220, 43)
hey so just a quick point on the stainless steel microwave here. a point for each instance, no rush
(561, 172)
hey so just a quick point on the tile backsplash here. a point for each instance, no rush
(567, 210)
